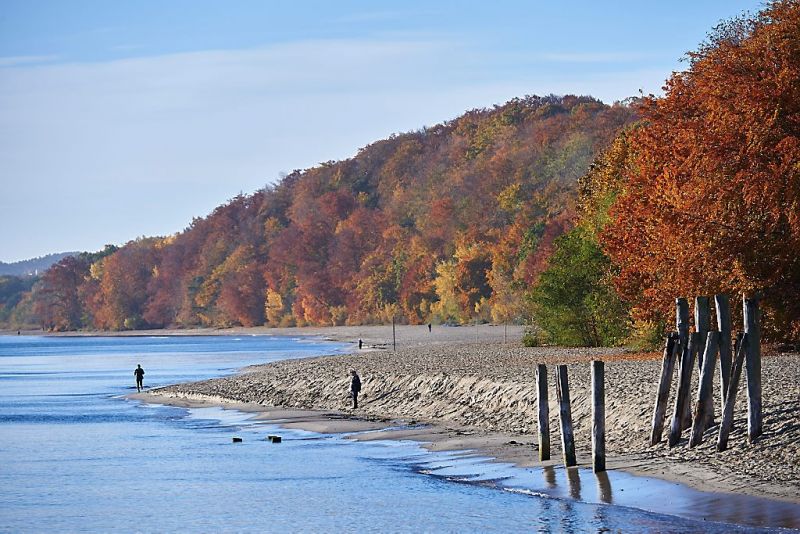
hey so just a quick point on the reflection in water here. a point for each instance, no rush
(603, 487)
(601, 519)
(621, 489)
(545, 516)
(574, 481)
(549, 476)
(568, 513)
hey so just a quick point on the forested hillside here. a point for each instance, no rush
(445, 224)
(33, 266)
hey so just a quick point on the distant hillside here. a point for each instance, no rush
(33, 266)
(446, 223)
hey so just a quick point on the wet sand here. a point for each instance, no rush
(481, 396)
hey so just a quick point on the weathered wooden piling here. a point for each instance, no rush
(730, 397)
(701, 416)
(565, 417)
(752, 328)
(681, 416)
(543, 412)
(736, 343)
(694, 352)
(721, 302)
(682, 323)
(598, 416)
(667, 365)
(702, 321)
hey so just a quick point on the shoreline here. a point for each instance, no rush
(481, 396)
(373, 336)
(518, 449)
(691, 501)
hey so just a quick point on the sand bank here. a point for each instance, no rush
(481, 396)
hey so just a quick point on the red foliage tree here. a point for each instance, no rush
(711, 201)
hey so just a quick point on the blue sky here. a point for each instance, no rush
(121, 119)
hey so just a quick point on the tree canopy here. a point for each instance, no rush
(451, 222)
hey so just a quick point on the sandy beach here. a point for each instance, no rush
(462, 394)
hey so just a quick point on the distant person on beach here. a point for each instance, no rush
(430, 327)
(355, 387)
(139, 374)
(360, 344)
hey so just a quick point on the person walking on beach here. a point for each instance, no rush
(355, 387)
(139, 374)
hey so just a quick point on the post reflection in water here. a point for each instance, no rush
(601, 519)
(574, 481)
(603, 487)
(545, 517)
(567, 522)
(549, 474)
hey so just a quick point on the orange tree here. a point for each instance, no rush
(710, 199)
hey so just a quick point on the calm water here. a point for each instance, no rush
(75, 455)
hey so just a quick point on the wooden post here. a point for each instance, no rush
(598, 417)
(694, 352)
(730, 397)
(737, 342)
(565, 417)
(700, 422)
(682, 323)
(752, 328)
(394, 337)
(505, 332)
(681, 416)
(543, 412)
(667, 364)
(702, 322)
(724, 326)
(476, 329)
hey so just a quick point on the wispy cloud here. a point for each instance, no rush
(17, 61)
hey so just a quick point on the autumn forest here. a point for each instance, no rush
(582, 219)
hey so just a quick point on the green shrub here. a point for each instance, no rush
(646, 335)
(573, 302)
(531, 338)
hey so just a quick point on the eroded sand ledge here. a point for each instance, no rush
(482, 395)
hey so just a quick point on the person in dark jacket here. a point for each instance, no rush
(139, 374)
(355, 387)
